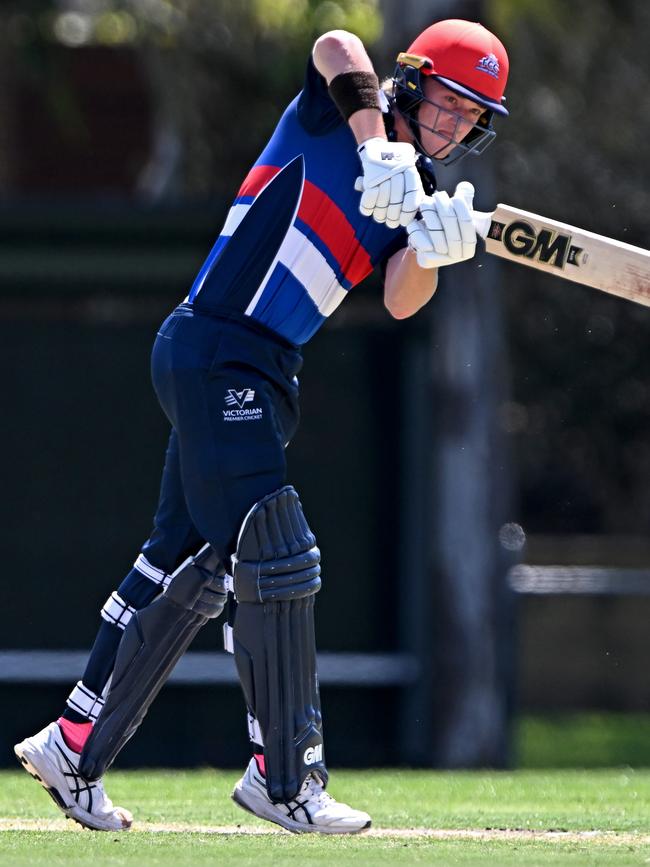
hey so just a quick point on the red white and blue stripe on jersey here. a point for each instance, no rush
(328, 248)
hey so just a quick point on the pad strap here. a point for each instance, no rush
(254, 730)
(85, 702)
(116, 611)
(158, 576)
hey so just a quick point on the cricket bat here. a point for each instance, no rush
(565, 251)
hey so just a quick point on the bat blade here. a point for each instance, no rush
(566, 251)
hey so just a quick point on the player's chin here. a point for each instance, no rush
(441, 152)
(438, 147)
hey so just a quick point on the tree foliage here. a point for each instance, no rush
(580, 132)
(219, 71)
(577, 148)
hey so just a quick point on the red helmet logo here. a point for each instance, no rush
(489, 64)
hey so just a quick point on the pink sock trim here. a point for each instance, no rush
(75, 734)
(259, 758)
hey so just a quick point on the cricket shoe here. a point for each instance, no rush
(311, 810)
(55, 766)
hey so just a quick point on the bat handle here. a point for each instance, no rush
(482, 222)
(481, 219)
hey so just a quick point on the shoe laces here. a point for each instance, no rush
(314, 788)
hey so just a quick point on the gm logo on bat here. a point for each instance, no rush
(521, 239)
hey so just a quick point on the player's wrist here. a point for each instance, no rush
(377, 149)
(367, 125)
(369, 142)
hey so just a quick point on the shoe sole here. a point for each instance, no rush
(288, 824)
(29, 759)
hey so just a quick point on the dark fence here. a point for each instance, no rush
(392, 461)
(83, 437)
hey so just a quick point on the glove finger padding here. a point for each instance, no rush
(431, 220)
(394, 210)
(466, 225)
(421, 243)
(413, 196)
(383, 200)
(419, 237)
(368, 201)
(449, 220)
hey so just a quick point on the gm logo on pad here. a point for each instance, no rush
(313, 755)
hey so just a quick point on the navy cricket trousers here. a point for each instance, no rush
(230, 392)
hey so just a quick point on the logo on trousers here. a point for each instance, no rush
(239, 398)
(313, 755)
(236, 400)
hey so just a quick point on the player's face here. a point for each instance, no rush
(445, 118)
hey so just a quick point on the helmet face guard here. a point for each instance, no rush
(408, 96)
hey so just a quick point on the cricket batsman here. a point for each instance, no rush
(337, 191)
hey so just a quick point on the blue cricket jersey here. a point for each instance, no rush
(327, 248)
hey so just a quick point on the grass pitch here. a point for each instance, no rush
(420, 817)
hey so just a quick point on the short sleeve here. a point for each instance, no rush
(400, 241)
(317, 112)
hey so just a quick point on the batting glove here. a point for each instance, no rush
(444, 234)
(391, 189)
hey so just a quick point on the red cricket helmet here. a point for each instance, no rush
(465, 57)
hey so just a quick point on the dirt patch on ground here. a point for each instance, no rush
(599, 837)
